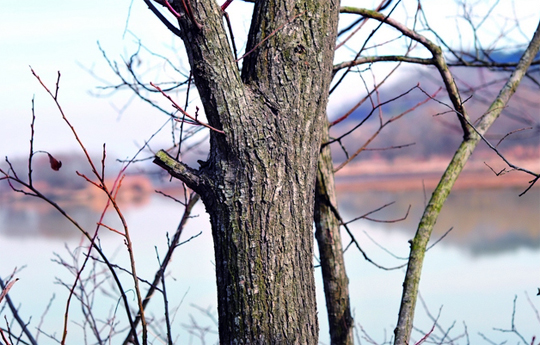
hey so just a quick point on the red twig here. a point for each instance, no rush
(225, 5)
(348, 113)
(4, 337)
(100, 186)
(112, 229)
(427, 335)
(111, 200)
(179, 108)
(172, 10)
(382, 125)
(189, 12)
(358, 28)
(187, 9)
(510, 133)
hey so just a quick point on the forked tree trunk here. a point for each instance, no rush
(258, 182)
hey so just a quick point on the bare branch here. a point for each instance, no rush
(435, 50)
(193, 178)
(4, 294)
(447, 181)
(162, 18)
(378, 131)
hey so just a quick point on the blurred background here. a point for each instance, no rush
(491, 255)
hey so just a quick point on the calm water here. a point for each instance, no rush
(491, 255)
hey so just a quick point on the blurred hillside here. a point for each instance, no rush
(432, 128)
(431, 133)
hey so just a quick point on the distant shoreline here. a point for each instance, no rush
(374, 174)
(401, 175)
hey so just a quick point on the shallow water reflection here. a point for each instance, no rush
(491, 255)
(483, 221)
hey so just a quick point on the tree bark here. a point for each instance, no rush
(258, 182)
(327, 225)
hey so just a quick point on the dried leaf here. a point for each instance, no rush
(55, 164)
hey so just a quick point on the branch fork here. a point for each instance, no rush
(194, 179)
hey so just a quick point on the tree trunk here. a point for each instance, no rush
(258, 182)
(327, 225)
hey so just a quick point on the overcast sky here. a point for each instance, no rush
(59, 35)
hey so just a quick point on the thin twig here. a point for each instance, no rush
(14, 310)
(184, 112)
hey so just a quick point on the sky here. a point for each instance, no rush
(63, 36)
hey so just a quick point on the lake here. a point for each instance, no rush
(473, 275)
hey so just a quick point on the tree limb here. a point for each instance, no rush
(438, 60)
(383, 58)
(423, 61)
(431, 213)
(162, 18)
(190, 176)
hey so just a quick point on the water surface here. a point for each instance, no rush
(491, 255)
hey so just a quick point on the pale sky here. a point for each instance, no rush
(63, 35)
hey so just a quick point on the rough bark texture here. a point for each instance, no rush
(327, 225)
(431, 213)
(258, 182)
